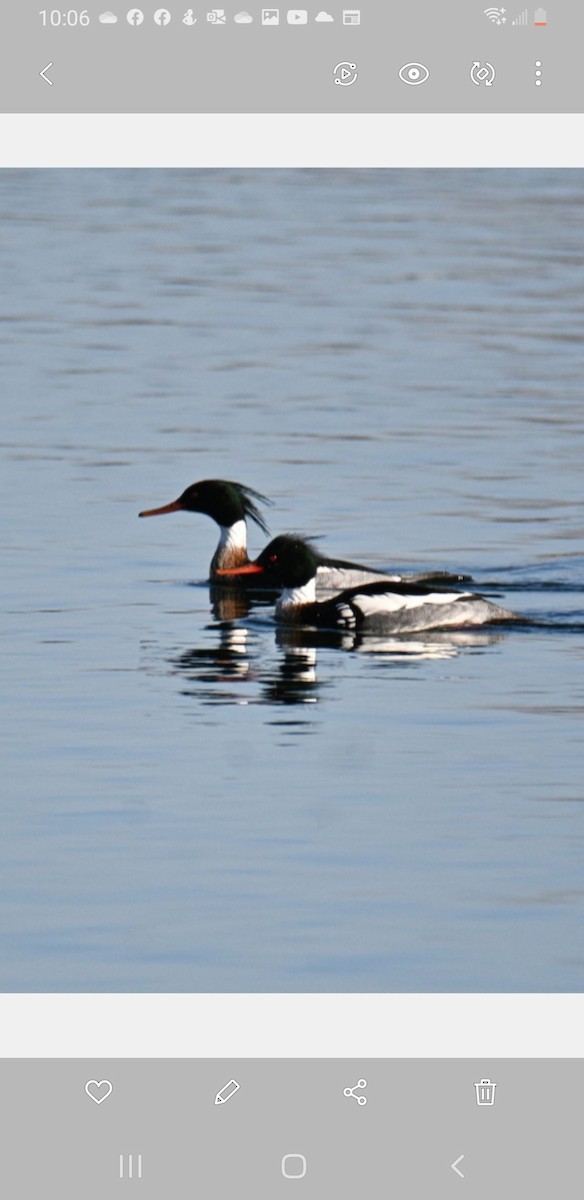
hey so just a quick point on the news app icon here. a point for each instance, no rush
(351, 16)
(270, 16)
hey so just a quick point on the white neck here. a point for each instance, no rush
(231, 550)
(233, 537)
(298, 596)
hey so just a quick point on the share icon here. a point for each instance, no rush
(350, 1091)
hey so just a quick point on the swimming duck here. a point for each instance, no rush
(379, 607)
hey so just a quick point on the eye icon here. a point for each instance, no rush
(414, 73)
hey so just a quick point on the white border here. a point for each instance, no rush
(291, 140)
(232, 1026)
(291, 1026)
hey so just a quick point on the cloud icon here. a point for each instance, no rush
(243, 18)
(323, 16)
(108, 18)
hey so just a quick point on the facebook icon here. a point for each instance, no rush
(135, 16)
(162, 16)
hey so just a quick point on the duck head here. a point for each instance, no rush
(225, 501)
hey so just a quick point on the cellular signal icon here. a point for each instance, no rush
(522, 19)
(496, 15)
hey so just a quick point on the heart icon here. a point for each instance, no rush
(98, 1090)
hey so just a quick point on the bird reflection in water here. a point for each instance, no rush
(440, 644)
(235, 603)
(227, 660)
(436, 646)
(238, 655)
(294, 679)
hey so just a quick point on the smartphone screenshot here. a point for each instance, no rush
(293, 600)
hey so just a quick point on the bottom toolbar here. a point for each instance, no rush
(218, 1128)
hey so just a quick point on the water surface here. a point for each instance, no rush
(193, 801)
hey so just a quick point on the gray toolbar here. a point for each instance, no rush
(416, 56)
(222, 1128)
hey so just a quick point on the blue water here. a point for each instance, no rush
(192, 801)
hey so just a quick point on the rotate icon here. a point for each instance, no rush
(482, 73)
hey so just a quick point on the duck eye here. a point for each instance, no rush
(273, 558)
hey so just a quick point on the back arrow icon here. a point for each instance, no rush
(454, 1165)
(44, 76)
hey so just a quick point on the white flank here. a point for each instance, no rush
(393, 602)
(295, 597)
(233, 537)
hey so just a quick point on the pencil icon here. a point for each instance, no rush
(227, 1092)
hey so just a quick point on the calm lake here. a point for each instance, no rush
(192, 800)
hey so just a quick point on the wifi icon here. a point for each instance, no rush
(496, 15)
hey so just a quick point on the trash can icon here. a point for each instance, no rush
(485, 1091)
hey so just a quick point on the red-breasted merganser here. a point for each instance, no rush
(375, 607)
(230, 504)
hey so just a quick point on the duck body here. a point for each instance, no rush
(396, 608)
(377, 607)
(231, 505)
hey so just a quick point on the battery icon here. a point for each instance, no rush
(485, 1092)
(540, 17)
